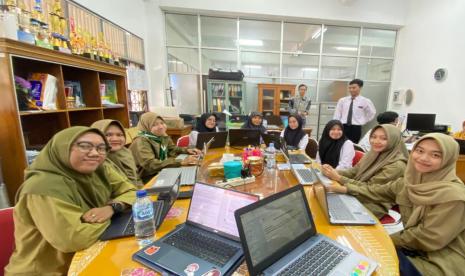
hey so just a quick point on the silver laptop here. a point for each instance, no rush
(165, 181)
(308, 175)
(279, 237)
(209, 238)
(341, 208)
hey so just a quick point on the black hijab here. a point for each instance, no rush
(328, 148)
(249, 125)
(293, 136)
(201, 127)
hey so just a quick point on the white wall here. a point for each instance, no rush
(433, 37)
(381, 12)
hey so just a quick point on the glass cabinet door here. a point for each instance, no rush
(284, 98)
(268, 100)
(235, 95)
(218, 97)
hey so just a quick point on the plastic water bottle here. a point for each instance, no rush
(270, 156)
(144, 224)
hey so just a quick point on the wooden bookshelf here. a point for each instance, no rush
(24, 129)
(273, 97)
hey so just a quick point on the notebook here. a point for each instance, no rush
(308, 175)
(341, 208)
(122, 224)
(209, 240)
(295, 158)
(279, 237)
(244, 137)
(219, 139)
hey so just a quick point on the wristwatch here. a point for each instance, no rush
(117, 207)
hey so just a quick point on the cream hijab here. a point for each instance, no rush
(372, 161)
(438, 187)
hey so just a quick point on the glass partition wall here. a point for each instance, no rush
(324, 57)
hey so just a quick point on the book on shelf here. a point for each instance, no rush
(44, 90)
(108, 93)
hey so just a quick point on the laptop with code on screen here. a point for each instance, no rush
(279, 237)
(207, 242)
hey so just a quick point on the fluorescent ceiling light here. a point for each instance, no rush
(313, 69)
(342, 48)
(175, 61)
(250, 42)
(253, 66)
(318, 33)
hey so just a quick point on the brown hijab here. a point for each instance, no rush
(437, 187)
(372, 161)
(122, 158)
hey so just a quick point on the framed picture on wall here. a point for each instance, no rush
(397, 96)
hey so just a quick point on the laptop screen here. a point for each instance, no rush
(213, 208)
(274, 228)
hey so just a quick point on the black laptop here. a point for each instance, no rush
(279, 237)
(295, 158)
(208, 243)
(219, 139)
(276, 139)
(244, 137)
(462, 145)
(122, 224)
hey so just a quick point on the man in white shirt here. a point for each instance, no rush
(354, 111)
(388, 117)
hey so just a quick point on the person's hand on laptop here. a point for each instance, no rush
(98, 215)
(330, 172)
(336, 188)
(194, 151)
(190, 160)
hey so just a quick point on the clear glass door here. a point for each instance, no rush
(268, 100)
(235, 98)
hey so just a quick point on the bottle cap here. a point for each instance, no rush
(141, 193)
(271, 145)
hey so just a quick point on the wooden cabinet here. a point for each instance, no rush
(274, 98)
(24, 130)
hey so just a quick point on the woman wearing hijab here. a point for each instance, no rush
(431, 200)
(293, 134)
(66, 202)
(119, 154)
(385, 162)
(154, 150)
(334, 148)
(206, 123)
(255, 121)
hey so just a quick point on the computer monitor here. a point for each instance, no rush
(420, 122)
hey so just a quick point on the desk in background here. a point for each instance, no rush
(113, 257)
(460, 170)
(175, 133)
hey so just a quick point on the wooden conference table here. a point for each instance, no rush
(114, 257)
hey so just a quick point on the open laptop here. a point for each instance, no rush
(342, 208)
(122, 224)
(462, 145)
(209, 238)
(295, 158)
(279, 237)
(308, 175)
(272, 138)
(219, 139)
(244, 137)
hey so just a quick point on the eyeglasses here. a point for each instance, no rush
(86, 147)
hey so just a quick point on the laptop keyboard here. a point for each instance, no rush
(205, 247)
(157, 211)
(306, 175)
(298, 159)
(319, 260)
(339, 209)
(188, 175)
